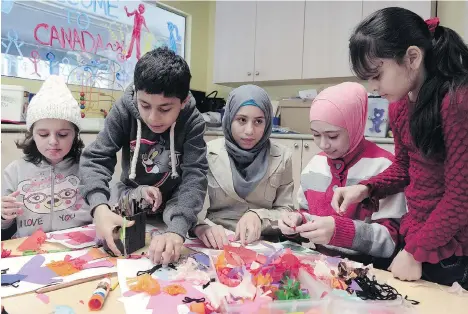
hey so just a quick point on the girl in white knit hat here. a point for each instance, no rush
(40, 190)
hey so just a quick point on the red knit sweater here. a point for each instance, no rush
(436, 225)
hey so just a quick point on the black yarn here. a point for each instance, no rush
(372, 290)
(154, 269)
(189, 300)
(208, 283)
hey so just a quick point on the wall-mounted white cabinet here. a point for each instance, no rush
(279, 40)
(328, 26)
(258, 41)
(234, 53)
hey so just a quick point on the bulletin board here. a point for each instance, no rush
(91, 43)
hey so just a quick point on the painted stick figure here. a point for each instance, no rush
(13, 39)
(173, 40)
(35, 60)
(138, 21)
(51, 58)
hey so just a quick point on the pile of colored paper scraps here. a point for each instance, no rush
(248, 280)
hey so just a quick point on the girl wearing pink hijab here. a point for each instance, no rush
(337, 119)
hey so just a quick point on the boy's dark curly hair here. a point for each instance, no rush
(162, 71)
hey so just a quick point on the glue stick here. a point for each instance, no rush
(99, 295)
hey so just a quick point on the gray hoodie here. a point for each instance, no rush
(174, 161)
(36, 184)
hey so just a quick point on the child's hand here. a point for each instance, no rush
(289, 221)
(105, 221)
(405, 267)
(165, 248)
(249, 228)
(10, 207)
(343, 197)
(212, 236)
(318, 231)
(152, 195)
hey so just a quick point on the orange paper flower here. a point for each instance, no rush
(144, 283)
(261, 280)
(174, 289)
(62, 268)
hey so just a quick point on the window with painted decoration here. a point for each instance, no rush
(94, 43)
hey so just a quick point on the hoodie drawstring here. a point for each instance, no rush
(137, 151)
(173, 155)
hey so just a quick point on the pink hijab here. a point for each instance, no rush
(343, 105)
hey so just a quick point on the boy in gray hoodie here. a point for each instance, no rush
(160, 132)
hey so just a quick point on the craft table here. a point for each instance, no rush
(433, 299)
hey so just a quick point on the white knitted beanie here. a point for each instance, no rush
(53, 101)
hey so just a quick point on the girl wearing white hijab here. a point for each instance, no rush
(250, 179)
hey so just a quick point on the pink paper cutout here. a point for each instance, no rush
(104, 263)
(43, 297)
(246, 255)
(231, 238)
(76, 237)
(33, 242)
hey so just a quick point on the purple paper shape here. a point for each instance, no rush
(354, 286)
(233, 272)
(36, 274)
(333, 261)
(273, 257)
(202, 259)
(268, 245)
(12, 278)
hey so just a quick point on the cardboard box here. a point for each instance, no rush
(294, 114)
(15, 101)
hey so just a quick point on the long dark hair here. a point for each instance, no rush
(388, 33)
(32, 154)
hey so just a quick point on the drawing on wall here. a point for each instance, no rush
(93, 44)
(138, 22)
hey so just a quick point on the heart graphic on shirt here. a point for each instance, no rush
(338, 166)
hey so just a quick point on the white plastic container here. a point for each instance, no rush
(348, 306)
(15, 101)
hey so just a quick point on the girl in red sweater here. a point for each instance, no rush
(422, 69)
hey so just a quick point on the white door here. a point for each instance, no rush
(279, 40)
(234, 42)
(422, 8)
(328, 26)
